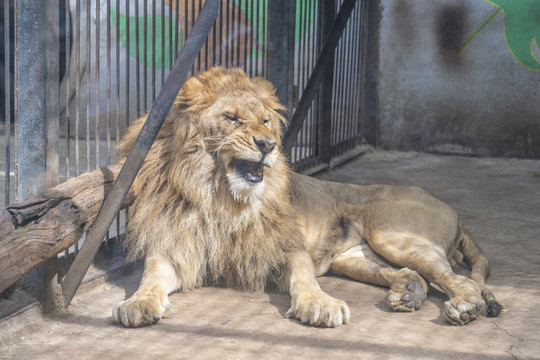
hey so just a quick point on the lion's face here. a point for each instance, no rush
(242, 130)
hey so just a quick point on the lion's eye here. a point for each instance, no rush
(266, 122)
(231, 117)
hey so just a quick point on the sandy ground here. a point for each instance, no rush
(499, 202)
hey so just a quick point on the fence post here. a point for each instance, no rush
(36, 112)
(370, 111)
(280, 53)
(326, 102)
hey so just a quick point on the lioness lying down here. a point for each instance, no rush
(216, 203)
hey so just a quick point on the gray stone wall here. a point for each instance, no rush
(456, 76)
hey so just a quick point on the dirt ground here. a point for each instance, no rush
(498, 201)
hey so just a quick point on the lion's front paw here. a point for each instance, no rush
(318, 308)
(459, 311)
(139, 310)
(408, 291)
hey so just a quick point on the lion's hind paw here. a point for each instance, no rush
(407, 293)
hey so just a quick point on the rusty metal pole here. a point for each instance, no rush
(140, 149)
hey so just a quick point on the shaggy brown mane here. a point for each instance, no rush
(182, 193)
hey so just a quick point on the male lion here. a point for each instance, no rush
(217, 203)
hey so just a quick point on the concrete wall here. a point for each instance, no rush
(481, 99)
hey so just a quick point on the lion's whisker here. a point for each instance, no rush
(220, 146)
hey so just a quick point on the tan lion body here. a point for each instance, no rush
(216, 203)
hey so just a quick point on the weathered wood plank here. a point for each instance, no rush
(37, 229)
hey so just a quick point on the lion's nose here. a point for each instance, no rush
(265, 146)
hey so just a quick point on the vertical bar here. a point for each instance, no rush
(234, 30)
(88, 77)
(117, 124)
(207, 64)
(355, 69)
(145, 55)
(311, 63)
(153, 37)
(339, 94)
(162, 43)
(30, 71)
(347, 84)
(77, 82)
(227, 32)
(97, 50)
(214, 61)
(281, 17)
(36, 108)
(245, 34)
(177, 29)
(220, 58)
(67, 76)
(265, 34)
(137, 63)
(7, 100)
(170, 36)
(252, 42)
(360, 68)
(108, 75)
(128, 62)
(301, 144)
(186, 20)
(316, 40)
(325, 109)
(370, 116)
(359, 89)
(52, 71)
(297, 149)
(108, 85)
(52, 164)
(117, 115)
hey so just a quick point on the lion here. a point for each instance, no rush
(216, 203)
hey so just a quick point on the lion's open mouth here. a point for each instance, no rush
(249, 170)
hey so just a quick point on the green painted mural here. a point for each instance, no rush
(163, 53)
(521, 29)
(248, 25)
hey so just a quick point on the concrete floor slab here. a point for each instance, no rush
(498, 201)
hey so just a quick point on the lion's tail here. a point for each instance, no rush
(475, 257)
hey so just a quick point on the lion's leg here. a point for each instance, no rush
(309, 303)
(407, 288)
(427, 258)
(150, 301)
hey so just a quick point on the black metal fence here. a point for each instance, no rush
(76, 73)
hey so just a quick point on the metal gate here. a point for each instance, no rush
(76, 73)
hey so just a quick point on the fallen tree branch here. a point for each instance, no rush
(35, 230)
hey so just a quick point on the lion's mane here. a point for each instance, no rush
(184, 210)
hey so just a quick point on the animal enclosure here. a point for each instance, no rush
(76, 73)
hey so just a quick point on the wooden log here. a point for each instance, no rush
(35, 230)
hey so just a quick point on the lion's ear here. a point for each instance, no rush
(191, 92)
